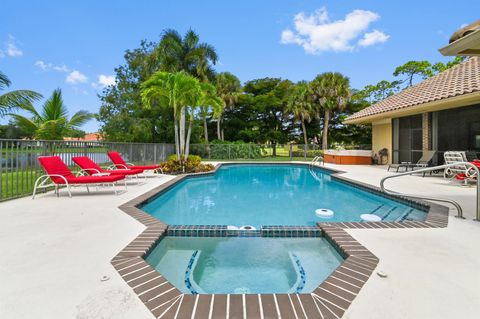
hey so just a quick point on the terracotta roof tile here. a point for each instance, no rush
(461, 79)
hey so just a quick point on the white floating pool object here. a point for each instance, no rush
(370, 218)
(323, 212)
(247, 227)
(231, 227)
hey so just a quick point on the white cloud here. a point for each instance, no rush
(50, 66)
(12, 49)
(106, 80)
(316, 33)
(463, 25)
(372, 38)
(75, 77)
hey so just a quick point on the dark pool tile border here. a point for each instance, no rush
(330, 300)
(437, 215)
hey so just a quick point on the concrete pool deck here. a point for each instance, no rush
(56, 250)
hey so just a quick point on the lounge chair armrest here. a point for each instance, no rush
(120, 166)
(87, 171)
(44, 177)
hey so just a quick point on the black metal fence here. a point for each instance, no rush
(19, 166)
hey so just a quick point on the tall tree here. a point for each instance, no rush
(52, 122)
(228, 89)
(14, 99)
(332, 92)
(176, 53)
(300, 106)
(412, 69)
(181, 93)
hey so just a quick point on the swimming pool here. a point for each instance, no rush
(261, 195)
(244, 265)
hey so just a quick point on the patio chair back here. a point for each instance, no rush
(455, 157)
(426, 159)
(116, 158)
(84, 162)
(54, 165)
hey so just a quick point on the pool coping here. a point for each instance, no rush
(330, 300)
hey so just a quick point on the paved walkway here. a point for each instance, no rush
(54, 252)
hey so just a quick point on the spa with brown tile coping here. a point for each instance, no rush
(330, 300)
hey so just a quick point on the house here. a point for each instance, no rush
(441, 113)
(89, 137)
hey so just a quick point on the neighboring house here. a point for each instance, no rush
(89, 137)
(441, 113)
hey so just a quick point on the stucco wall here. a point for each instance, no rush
(382, 138)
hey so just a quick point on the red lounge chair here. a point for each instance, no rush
(91, 168)
(59, 174)
(121, 164)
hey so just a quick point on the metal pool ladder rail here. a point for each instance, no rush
(314, 162)
(445, 200)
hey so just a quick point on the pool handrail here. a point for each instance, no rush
(445, 200)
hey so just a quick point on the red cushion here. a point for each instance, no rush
(125, 172)
(116, 158)
(94, 179)
(55, 165)
(86, 163)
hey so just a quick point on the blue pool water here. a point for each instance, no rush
(271, 195)
(238, 265)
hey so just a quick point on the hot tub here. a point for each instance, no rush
(348, 157)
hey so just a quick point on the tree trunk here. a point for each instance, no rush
(182, 132)
(177, 142)
(304, 129)
(219, 125)
(205, 129)
(326, 120)
(223, 135)
(187, 144)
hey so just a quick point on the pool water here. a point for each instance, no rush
(237, 265)
(259, 195)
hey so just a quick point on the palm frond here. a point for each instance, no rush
(4, 81)
(17, 99)
(27, 125)
(79, 118)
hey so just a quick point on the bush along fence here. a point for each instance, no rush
(19, 166)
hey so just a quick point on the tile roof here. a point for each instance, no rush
(461, 79)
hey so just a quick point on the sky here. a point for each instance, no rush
(75, 45)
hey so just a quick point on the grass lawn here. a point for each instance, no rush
(19, 183)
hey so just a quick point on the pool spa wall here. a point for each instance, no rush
(330, 300)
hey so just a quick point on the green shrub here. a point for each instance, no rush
(310, 153)
(235, 150)
(192, 165)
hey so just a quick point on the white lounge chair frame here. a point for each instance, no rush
(45, 181)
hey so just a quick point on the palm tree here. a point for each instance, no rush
(178, 91)
(14, 99)
(228, 89)
(332, 92)
(52, 122)
(211, 103)
(300, 105)
(175, 53)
